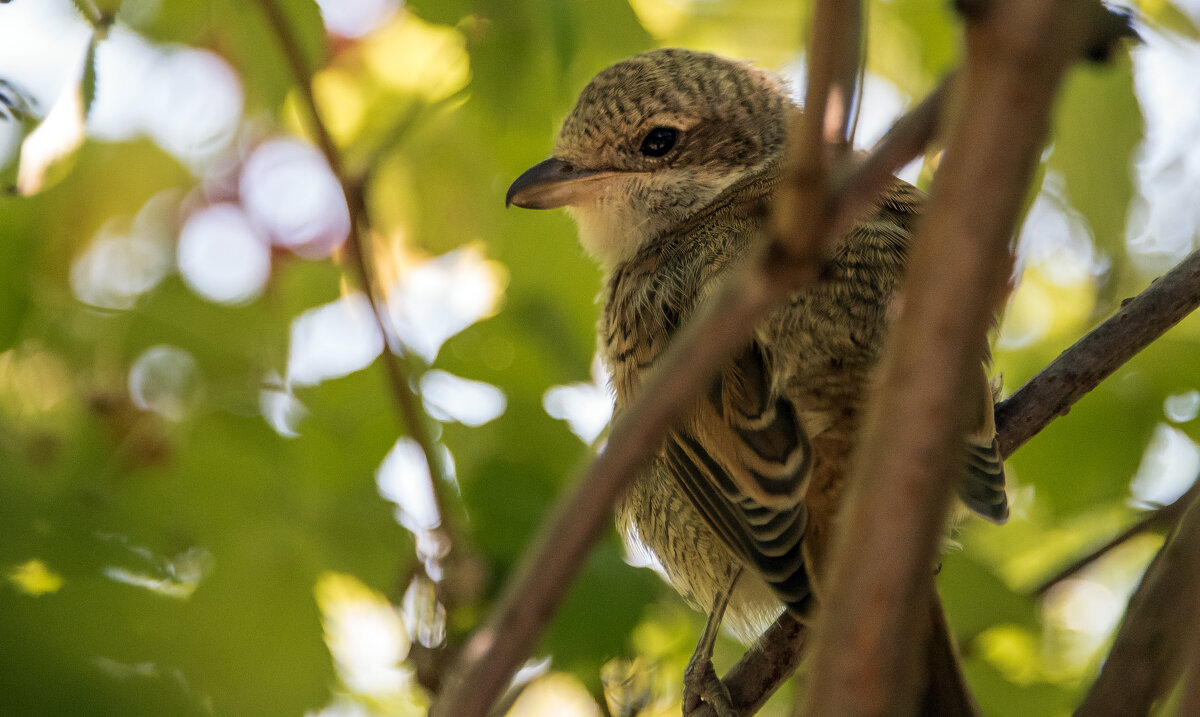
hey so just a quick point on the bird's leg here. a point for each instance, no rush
(700, 680)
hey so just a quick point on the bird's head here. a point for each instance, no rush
(652, 141)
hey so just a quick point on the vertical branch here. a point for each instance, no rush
(407, 402)
(1147, 655)
(802, 202)
(840, 24)
(868, 639)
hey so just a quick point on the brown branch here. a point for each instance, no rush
(1167, 515)
(945, 691)
(801, 207)
(869, 633)
(1094, 357)
(408, 403)
(1147, 654)
(835, 57)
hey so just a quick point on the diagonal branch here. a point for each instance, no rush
(408, 403)
(1094, 357)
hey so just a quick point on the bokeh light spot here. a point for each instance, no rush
(280, 408)
(115, 270)
(333, 340)
(1182, 407)
(404, 479)
(365, 636)
(419, 58)
(451, 398)
(165, 380)
(557, 693)
(355, 18)
(177, 578)
(440, 297)
(1169, 466)
(586, 407)
(287, 188)
(221, 255)
(192, 103)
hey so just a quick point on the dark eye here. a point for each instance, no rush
(659, 141)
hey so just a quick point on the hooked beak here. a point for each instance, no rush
(555, 183)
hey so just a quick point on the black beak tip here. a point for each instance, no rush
(544, 172)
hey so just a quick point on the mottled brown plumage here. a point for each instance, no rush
(753, 475)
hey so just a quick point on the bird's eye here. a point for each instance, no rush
(659, 141)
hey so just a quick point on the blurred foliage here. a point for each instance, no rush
(191, 551)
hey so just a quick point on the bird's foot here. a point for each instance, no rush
(702, 685)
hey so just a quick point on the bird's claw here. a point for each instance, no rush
(702, 685)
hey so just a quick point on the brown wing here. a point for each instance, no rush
(743, 462)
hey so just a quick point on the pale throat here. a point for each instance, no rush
(612, 228)
(610, 232)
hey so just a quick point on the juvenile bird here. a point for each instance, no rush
(668, 163)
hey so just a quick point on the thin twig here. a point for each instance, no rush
(799, 211)
(1094, 357)
(408, 403)
(870, 631)
(840, 25)
(1147, 654)
(1165, 515)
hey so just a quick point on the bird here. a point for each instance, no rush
(668, 163)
